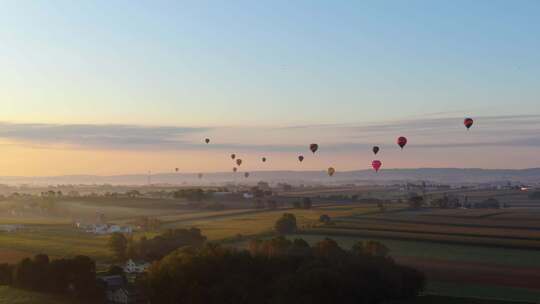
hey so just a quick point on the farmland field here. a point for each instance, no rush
(487, 253)
(17, 296)
(60, 240)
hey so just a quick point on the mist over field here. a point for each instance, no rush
(436, 175)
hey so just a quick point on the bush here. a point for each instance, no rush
(324, 218)
(286, 224)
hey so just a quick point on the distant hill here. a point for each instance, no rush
(438, 175)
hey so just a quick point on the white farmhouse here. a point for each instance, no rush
(136, 266)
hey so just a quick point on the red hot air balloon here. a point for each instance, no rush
(233, 156)
(239, 162)
(313, 148)
(235, 169)
(246, 175)
(264, 159)
(375, 150)
(468, 122)
(207, 140)
(301, 158)
(402, 141)
(376, 164)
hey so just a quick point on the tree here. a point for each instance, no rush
(83, 277)
(133, 193)
(306, 203)
(371, 248)
(165, 243)
(115, 270)
(271, 204)
(190, 194)
(535, 195)
(324, 218)
(286, 224)
(214, 274)
(416, 201)
(22, 274)
(6, 274)
(328, 248)
(118, 243)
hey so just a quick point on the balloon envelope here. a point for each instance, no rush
(239, 161)
(331, 171)
(246, 175)
(235, 169)
(376, 150)
(301, 158)
(207, 140)
(233, 156)
(401, 141)
(468, 122)
(376, 164)
(313, 147)
(264, 159)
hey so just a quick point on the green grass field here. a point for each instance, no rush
(60, 240)
(9, 295)
(56, 241)
(486, 292)
(431, 299)
(449, 252)
(254, 223)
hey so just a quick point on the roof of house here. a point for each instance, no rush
(113, 281)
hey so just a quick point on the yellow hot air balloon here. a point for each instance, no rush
(331, 171)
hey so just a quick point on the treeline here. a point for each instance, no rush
(75, 276)
(535, 195)
(447, 202)
(155, 248)
(281, 271)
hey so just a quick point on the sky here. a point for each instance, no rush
(117, 87)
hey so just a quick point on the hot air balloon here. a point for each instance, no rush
(239, 162)
(246, 175)
(264, 159)
(331, 171)
(402, 141)
(200, 175)
(176, 169)
(468, 122)
(207, 140)
(376, 164)
(233, 156)
(301, 158)
(314, 148)
(376, 150)
(235, 169)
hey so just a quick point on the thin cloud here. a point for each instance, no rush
(423, 133)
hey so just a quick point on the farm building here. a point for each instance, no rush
(10, 228)
(136, 266)
(103, 228)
